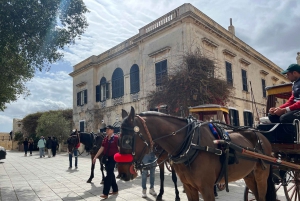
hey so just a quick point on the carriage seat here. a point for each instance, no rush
(284, 133)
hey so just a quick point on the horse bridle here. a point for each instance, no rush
(138, 163)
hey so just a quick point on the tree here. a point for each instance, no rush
(195, 81)
(54, 124)
(32, 33)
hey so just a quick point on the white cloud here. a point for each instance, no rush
(49, 91)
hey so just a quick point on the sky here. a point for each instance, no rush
(270, 26)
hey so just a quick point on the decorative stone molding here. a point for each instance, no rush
(229, 53)
(265, 73)
(282, 82)
(134, 97)
(167, 48)
(244, 61)
(118, 101)
(209, 42)
(103, 104)
(81, 84)
(274, 78)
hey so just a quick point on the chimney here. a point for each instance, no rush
(298, 58)
(231, 27)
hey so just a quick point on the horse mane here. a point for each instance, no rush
(159, 114)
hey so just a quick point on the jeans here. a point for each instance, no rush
(75, 152)
(148, 158)
(42, 150)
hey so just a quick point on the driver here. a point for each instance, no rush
(290, 110)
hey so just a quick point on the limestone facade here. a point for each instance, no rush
(168, 38)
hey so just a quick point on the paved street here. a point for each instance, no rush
(33, 178)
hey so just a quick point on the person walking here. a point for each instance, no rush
(41, 145)
(25, 143)
(149, 158)
(49, 146)
(75, 151)
(54, 146)
(109, 147)
(31, 146)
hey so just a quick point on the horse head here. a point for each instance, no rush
(128, 160)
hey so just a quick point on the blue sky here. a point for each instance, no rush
(270, 26)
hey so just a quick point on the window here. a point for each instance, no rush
(263, 84)
(117, 83)
(103, 90)
(134, 79)
(229, 73)
(234, 117)
(248, 118)
(161, 72)
(81, 126)
(82, 98)
(244, 80)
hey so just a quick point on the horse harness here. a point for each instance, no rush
(191, 146)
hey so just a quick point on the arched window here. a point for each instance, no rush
(134, 79)
(117, 83)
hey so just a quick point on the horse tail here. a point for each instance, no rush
(271, 191)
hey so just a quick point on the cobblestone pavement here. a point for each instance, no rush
(33, 178)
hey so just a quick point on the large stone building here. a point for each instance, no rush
(123, 75)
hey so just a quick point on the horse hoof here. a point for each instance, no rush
(88, 181)
(159, 198)
(177, 199)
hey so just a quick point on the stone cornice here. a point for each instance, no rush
(274, 78)
(263, 72)
(167, 48)
(209, 42)
(229, 53)
(81, 84)
(244, 61)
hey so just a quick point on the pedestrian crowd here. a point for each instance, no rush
(51, 144)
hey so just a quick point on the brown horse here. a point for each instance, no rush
(198, 174)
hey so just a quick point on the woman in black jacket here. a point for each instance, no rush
(54, 146)
(25, 143)
(31, 146)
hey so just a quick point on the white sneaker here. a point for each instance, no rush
(152, 192)
(144, 193)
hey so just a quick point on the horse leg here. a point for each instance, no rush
(102, 172)
(192, 193)
(251, 184)
(265, 185)
(174, 179)
(92, 172)
(162, 179)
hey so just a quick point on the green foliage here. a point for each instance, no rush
(30, 123)
(53, 123)
(195, 82)
(18, 137)
(32, 33)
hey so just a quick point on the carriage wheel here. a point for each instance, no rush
(292, 190)
(168, 166)
(221, 187)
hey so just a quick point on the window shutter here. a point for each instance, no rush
(85, 96)
(78, 99)
(107, 90)
(237, 118)
(98, 93)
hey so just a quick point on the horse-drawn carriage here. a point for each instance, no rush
(285, 142)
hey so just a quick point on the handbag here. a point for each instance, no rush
(104, 158)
